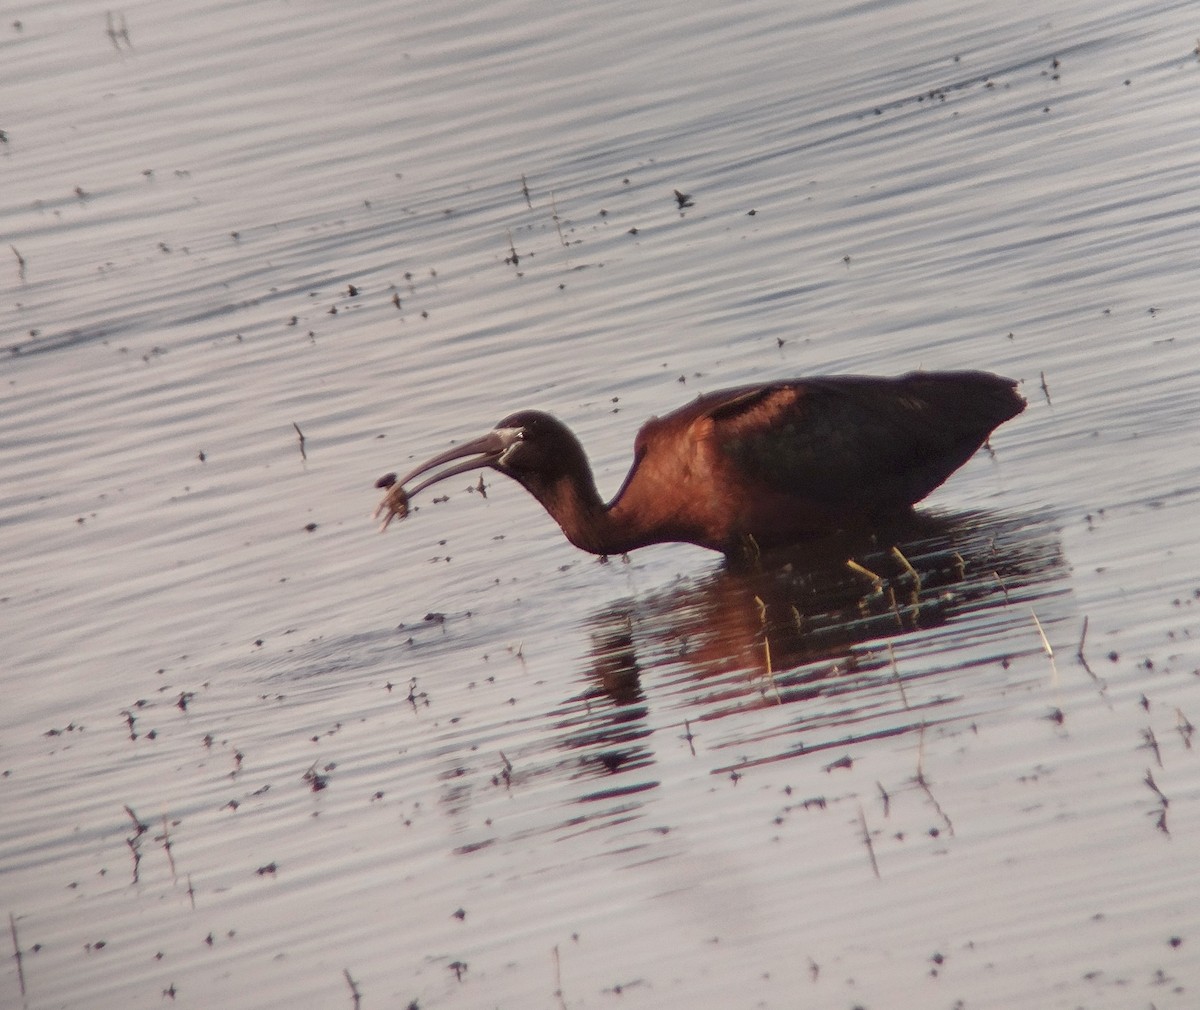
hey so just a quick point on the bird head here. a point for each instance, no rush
(530, 446)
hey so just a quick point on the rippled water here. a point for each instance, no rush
(253, 754)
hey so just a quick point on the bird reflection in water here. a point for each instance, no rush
(813, 629)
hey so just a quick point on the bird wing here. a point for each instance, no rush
(856, 441)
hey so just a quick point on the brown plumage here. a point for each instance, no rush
(751, 467)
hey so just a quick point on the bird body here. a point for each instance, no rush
(758, 466)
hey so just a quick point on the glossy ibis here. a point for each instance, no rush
(747, 468)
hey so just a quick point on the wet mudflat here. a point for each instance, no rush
(253, 754)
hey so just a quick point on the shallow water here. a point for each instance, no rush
(465, 763)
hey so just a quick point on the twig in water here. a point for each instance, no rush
(18, 956)
(136, 852)
(762, 610)
(20, 264)
(353, 988)
(1083, 659)
(1046, 646)
(1149, 780)
(1045, 641)
(854, 566)
(1186, 729)
(866, 834)
(138, 826)
(166, 840)
(924, 784)
(1161, 823)
(300, 435)
(899, 679)
(687, 735)
(762, 616)
(558, 990)
(770, 671)
(894, 607)
(1152, 744)
(887, 800)
(191, 893)
(525, 190)
(1046, 389)
(557, 225)
(135, 842)
(916, 576)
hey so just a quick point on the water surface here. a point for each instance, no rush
(464, 764)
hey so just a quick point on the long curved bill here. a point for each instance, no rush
(485, 451)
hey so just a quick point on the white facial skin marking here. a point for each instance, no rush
(513, 437)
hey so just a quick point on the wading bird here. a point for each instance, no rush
(750, 468)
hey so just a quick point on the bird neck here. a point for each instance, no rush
(575, 504)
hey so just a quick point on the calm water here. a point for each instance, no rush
(253, 754)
